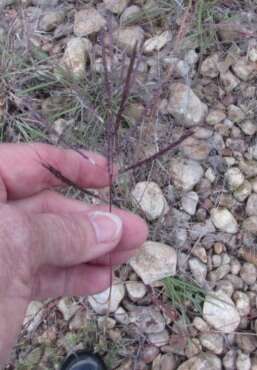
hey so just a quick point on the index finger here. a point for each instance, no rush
(22, 173)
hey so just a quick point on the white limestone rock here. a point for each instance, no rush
(154, 261)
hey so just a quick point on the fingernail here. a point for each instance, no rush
(86, 156)
(107, 226)
(92, 161)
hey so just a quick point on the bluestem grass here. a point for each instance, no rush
(113, 122)
(66, 181)
(109, 121)
(126, 89)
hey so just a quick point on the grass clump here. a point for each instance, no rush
(184, 296)
(36, 95)
(205, 19)
(153, 12)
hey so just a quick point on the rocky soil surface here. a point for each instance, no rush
(188, 300)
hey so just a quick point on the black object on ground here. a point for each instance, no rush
(83, 360)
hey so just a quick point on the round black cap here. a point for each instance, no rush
(83, 360)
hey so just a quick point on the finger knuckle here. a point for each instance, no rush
(15, 235)
(79, 236)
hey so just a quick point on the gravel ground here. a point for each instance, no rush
(188, 300)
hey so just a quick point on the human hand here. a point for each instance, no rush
(52, 246)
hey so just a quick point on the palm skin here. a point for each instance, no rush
(51, 246)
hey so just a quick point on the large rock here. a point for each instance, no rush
(200, 325)
(198, 269)
(149, 353)
(215, 116)
(159, 339)
(75, 56)
(136, 290)
(148, 319)
(189, 202)
(254, 184)
(254, 363)
(235, 114)
(156, 43)
(252, 149)
(185, 173)
(195, 149)
(250, 224)
(167, 362)
(67, 307)
(87, 22)
(128, 37)
(180, 68)
(246, 342)
(249, 168)
(200, 229)
(234, 178)
(219, 311)
(51, 20)
(154, 261)
(251, 206)
(80, 320)
(252, 53)
(107, 301)
(242, 302)
(214, 342)
(248, 127)
(244, 69)
(219, 273)
(33, 316)
(121, 316)
(243, 191)
(231, 31)
(248, 273)
(243, 361)
(58, 128)
(223, 219)
(229, 81)
(203, 361)
(209, 67)
(130, 15)
(229, 360)
(185, 106)
(116, 6)
(149, 197)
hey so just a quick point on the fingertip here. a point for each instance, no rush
(95, 159)
(100, 166)
(108, 226)
(144, 228)
(140, 229)
(135, 230)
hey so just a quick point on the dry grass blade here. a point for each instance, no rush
(185, 23)
(126, 89)
(110, 122)
(56, 173)
(108, 84)
(159, 153)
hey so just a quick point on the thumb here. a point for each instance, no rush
(71, 239)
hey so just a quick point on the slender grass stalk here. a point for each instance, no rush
(56, 173)
(160, 153)
(126, 89)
